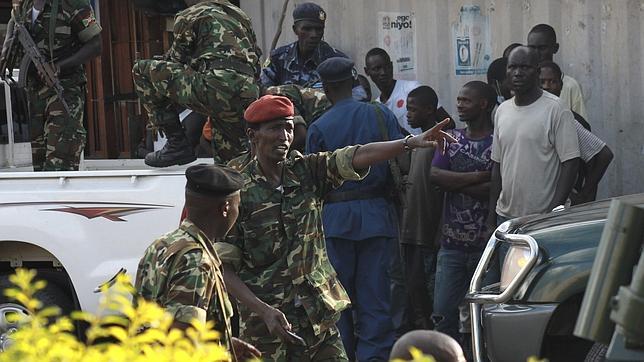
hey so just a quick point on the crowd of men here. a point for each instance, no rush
(335, 222)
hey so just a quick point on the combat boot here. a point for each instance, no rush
(176, 151)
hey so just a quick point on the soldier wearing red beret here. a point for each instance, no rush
(275, 261)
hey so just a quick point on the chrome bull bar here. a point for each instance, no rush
(476, 296)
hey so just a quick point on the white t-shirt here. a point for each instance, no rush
(397, 103)
(530, 143)
(572, 97)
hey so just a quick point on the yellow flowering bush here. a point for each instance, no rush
(119, 332)
(417, 356)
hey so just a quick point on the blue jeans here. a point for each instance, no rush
(454, 270)
(366, 328)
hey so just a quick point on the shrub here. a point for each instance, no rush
(119, 332)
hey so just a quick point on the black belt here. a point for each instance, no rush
(354, 195)
(227, 64)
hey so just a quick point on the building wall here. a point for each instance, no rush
(601, 46)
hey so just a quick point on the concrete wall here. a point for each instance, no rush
(601, 46)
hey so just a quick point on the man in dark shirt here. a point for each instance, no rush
(296, 63)
(421, 214)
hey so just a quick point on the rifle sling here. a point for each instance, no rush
(52, 28)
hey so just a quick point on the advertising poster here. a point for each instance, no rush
(396, 35)
(473, 46)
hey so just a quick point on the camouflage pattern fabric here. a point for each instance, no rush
(277, 245)
(210, 31)
(284, 66)
(310, 103)
(326, 346)
(75, 25)
(57, 139)
(239, 163)
(181, 271)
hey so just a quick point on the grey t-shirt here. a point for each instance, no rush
(530, 143)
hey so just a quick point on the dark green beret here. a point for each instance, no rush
(213, 180)
(309, 11)
(336, 69)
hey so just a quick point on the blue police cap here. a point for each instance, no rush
(309, 11)
(336, 69)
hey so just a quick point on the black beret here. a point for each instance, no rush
(213, 180)
(336, 69)
(309, 11)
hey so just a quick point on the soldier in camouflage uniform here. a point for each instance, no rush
(181, 271)
(68, 40)
(295, 63)
(275, 259)
(211, 68)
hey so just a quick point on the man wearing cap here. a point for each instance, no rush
(181, 270)
(360, 222)
(275, 260)
(211, 68)
(296, 63)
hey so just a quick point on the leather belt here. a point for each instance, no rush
(227, 64)
(354, 195)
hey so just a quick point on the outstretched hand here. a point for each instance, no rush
(434, 137)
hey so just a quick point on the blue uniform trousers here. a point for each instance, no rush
(366, 328)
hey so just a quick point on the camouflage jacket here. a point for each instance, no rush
(277, 245)
(75, 25)
(310, 103)
(214, 30)
(181, 271)
(284, 66)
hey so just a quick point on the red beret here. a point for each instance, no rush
(268, 108)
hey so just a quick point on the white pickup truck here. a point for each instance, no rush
(78, 229)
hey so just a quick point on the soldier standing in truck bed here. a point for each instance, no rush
(67, 40)
(211, 68)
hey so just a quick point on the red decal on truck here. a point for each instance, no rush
(110, 213)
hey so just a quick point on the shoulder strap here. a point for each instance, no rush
(394, 167)
(52, 27)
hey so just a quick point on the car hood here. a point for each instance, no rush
(576, 228)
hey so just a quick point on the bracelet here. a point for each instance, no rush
(406, 143)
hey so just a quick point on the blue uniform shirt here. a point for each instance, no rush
(350, 122)
(285, 66)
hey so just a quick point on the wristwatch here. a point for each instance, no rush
(406, 145)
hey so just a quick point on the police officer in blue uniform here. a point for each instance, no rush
(359, 222)
(296, 63)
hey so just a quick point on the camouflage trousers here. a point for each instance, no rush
(223, 95)
(57, 140)
(327, 346)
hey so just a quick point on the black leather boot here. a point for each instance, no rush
(177, 150)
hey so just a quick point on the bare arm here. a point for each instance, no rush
(453, 181)
(569, 170)
(596, 169)
(87, 52)
(480, 191)
(495, 192)
(275, 320)
(375, 152)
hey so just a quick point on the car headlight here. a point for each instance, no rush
(515, 260)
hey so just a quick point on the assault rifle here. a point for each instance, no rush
(32, 55)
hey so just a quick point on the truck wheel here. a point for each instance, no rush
(597, 353)
(51, 295)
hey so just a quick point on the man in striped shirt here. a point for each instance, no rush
(594, 152)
